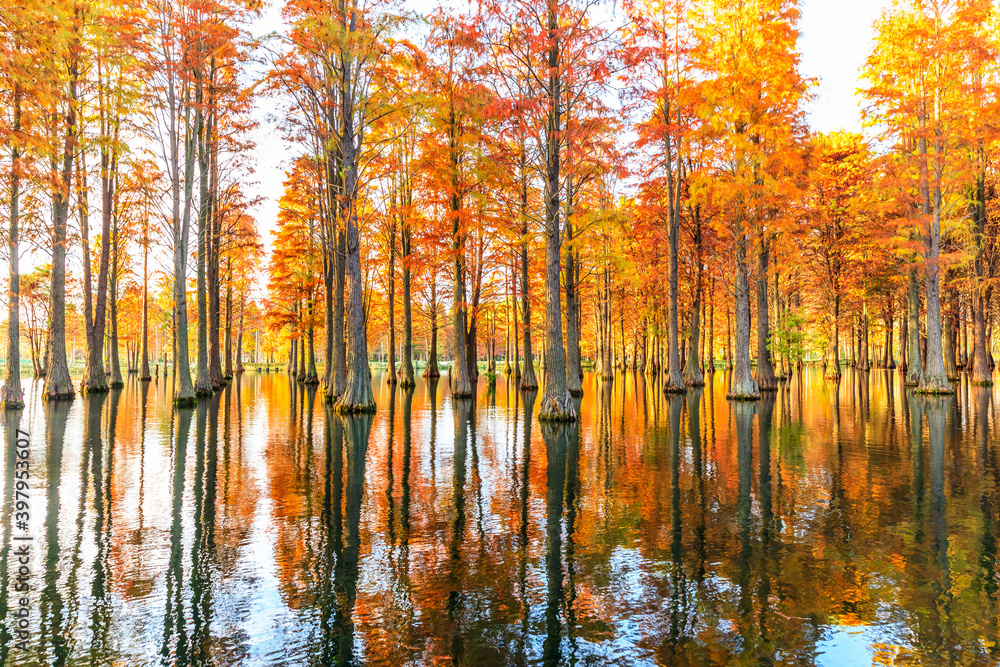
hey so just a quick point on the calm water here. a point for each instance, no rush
(825, 525)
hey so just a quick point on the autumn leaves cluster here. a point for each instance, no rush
(121, 123)
(649, 179)
(572, 182)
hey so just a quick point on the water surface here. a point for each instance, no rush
(846, 524)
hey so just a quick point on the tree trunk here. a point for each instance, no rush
(203, 380)
(11, 396)
(407, 380)
(144, 368)
(432, 371)
(311, 375)
(864, 363)
(528, 380)
(950, 339)
(239, 342)
(764, 376)
(357, 395)
(557, 404)
(935, 379)
(914, 363)
(674, 382)
(461, 384)
(743, 386)
(391, 379)
(229, 320)
(981, 372)
(693, 376)
(94, 377)
(833, 349)
(339, 306)
(890, 361)
(58, 384)
(330, 349)
(574, 369)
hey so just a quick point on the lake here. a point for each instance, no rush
(828, 524)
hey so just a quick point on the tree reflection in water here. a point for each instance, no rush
(260, 527)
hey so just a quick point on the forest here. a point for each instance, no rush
(535, 189)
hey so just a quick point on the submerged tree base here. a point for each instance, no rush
(12, 404)
(117, 384)
(934, 384)
(732, 396)
(557, 408)
(354, 408)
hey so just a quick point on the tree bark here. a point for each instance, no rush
(11, 396)
(914, 363)
(833, 349)
(58, 384)
(357, 395)
(144, 368)
(203, 381)
(693, 376)
(764, 376)
(392, 379)
(743, 386)
(228, 374)
(116, 369)
(935, 379)
(557, 404)
(432, 371)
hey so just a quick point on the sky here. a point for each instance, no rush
(836, 37)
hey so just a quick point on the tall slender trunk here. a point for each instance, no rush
(573, 365)
(184, 394)
(864, 363)
(764, 376)
(914, 359)
(432, 370)
(904, 322)
(58, 384)
(229, 319)
(981, 372)
(557, 404)
(528, 380)
(405, 241)
(239, 339)
(743, 386)
(339, 306)
(203, 380)
(357, 395)
(144, 367)
(833, 349)
(935, 378)
(711, 329)
(11, 396)
(392, 305)
(115, 365)
(693, 376)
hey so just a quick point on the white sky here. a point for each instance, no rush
(836, 39)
